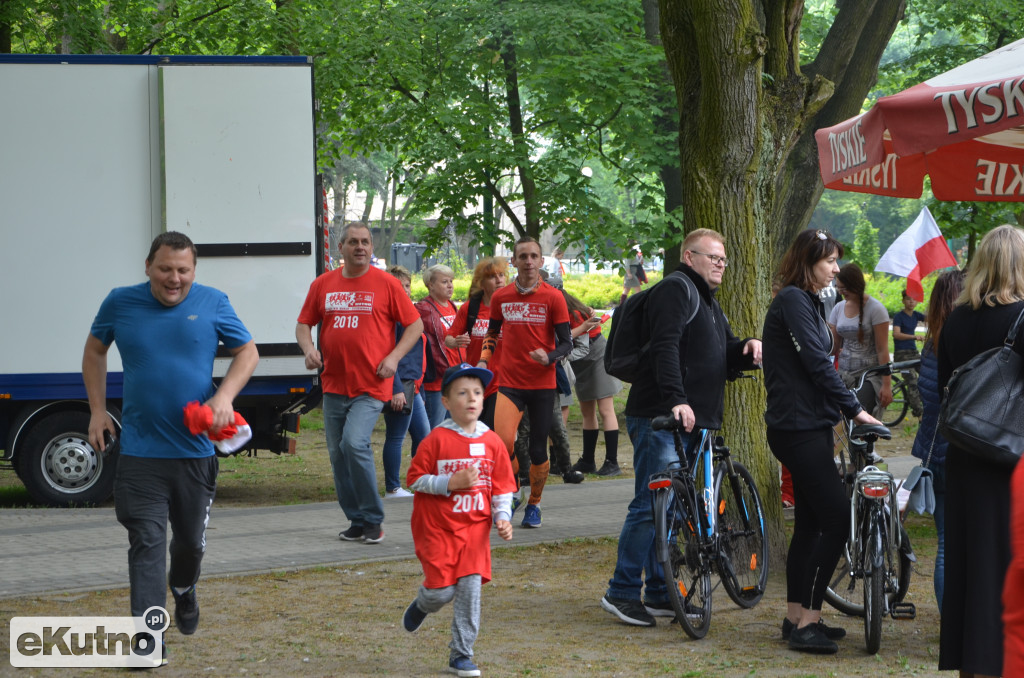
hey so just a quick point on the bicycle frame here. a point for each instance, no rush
(871, 487)
(661, 481)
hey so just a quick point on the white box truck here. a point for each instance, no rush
(98, 155)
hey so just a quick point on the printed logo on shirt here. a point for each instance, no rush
(193, 317)
(447, 467)
(480, 327)
(525, 312)
(349, 302)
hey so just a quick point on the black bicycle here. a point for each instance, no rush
(897, 409)
(707, 515)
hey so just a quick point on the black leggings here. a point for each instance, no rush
(822, 516)
(508, 413)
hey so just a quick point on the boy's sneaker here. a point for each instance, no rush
(609, 468)
(516, 503)
(664, 609)
(413, 617)
(811, 639)
(463, 667)
(531, 516)
(831, 632)
(584, 466)
(629, 611)
(398, 493)
(186, 610)
(373, 534)
(353, 533)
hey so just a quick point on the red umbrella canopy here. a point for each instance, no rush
(964, 128)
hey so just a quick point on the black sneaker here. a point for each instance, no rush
(354, 533)
(811, 639)
(373, 534)
(413, 617)
(629, 611)
(609, 468)
(831, 632)
(572, 477)
(186, 610)
(584, 466)
(664, 609)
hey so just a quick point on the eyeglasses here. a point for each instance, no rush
(715, 259)
(840, 289)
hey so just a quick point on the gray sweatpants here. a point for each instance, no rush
(466, 611)
(149, 493)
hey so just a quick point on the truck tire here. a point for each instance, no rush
(58, 465)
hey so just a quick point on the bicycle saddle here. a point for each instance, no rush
(870, 431)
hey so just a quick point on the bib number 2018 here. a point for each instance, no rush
(343, 321)
(464, 503)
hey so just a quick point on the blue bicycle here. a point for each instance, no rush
(707, 515)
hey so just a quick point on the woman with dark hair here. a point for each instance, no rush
(977, 516)
(929, 444)
(861, 326)
(805, 396)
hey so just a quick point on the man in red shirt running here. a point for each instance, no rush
(533, 321)
(356, 307)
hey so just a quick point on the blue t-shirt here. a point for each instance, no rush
(167, 353)
(907, 325)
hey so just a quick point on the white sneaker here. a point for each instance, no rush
(876, 458)
(398, 492)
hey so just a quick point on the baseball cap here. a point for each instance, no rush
(466, 370)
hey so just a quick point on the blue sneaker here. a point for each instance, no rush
(531, 516)
(413, 617)
(463, 667)
(516, 503)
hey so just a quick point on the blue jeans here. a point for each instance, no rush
(435, 408)
(348, 423)
(939, 484)
(653, 451)
(397, 425)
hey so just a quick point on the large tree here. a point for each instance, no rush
(748, 111)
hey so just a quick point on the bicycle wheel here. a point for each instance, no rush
(687, 572)
(743, 550)
(844, 590)
(897, 409)
(904, 568)
(874, 581)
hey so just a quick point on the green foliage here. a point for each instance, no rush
(865, 245)
(889, 289)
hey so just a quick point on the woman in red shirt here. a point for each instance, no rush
(438, 312)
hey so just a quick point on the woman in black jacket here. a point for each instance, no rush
(978, 492)
(805, 396)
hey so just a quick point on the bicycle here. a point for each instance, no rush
(691, 540)
(878, 555)
(897, 409)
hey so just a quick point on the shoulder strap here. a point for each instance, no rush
(1011, 336)
(691, 291)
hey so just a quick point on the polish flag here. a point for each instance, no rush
(918, 251)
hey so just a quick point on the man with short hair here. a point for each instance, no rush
(705, 351)
(167, 332)
(357, 308)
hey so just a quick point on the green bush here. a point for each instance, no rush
(889, 290)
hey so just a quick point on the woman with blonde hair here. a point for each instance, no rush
(467, 336)
(977, 548)
(438, 313)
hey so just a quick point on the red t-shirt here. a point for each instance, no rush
(358, 316)
(447, 317)
(476, 340)
(452, 534)
(528, 323)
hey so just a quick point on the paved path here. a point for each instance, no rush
(50, 550)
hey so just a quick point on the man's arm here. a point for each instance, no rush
(243, 363)
(409, 338)
(304, 337)
(94, 374)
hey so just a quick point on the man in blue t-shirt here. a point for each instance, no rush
(167, 332)
(904, 347)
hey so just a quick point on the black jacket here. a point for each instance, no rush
(804, 389)
(685, 364)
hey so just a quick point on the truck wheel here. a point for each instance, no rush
(59, 466)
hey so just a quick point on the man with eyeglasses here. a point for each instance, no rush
(683, 372)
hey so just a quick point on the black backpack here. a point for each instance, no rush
(628, 338)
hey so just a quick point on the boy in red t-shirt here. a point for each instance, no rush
(462, 479)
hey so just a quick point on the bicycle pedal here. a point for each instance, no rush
(903, 611)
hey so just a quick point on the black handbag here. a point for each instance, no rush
(983, 409)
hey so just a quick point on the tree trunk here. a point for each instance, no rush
(520, 147)
(749, 166)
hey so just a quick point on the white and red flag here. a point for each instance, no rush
(918, 251)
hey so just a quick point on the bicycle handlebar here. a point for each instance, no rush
(666, 423)
(886, 369)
